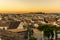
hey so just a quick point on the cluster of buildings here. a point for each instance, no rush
(18, 23)
(22, 20)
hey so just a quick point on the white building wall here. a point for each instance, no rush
(20, 25)
(4, 28)
(1, 27)
(38, 34)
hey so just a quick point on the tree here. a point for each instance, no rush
(47, 29)
(30, 31)
(32, 38)
(56, 28)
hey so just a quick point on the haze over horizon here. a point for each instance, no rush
(30, 6)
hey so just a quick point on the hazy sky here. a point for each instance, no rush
(29, 5)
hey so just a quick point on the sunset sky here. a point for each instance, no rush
(29, 5)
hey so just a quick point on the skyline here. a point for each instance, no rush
(30, 6)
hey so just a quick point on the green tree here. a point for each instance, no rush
(56, 28)
(47, 29)
(32, 38)
(30, 31)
